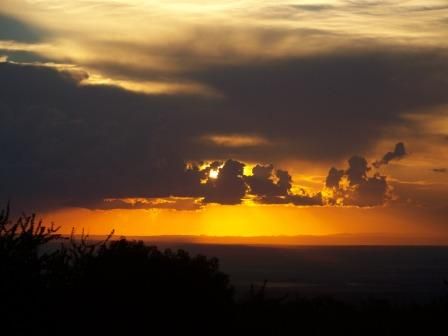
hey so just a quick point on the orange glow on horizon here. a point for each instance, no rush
(242, 221)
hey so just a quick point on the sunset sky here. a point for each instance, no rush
(227, 118)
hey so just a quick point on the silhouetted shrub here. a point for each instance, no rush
(120, 287)
(110, 286)
(22, 286)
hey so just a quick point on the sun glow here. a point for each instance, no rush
(213, 174)
(243, 221)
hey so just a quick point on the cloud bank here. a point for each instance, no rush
(86, 118)
(67, 144)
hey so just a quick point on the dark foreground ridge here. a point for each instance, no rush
(125, 287)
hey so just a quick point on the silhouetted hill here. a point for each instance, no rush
(342, 239)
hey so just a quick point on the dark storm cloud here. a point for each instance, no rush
(439, 170)
(315, 107)
(308, 107)
(64, 143)
(68, 145)
(398, 153)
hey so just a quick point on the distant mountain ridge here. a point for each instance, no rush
(341, 239)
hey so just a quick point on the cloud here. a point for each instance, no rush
(274, 187)
(262, 184)
(313, 7)
(229, 187)
(334, 178)
(296, 103)
(13, 29)
(307, 199)
(234, 140)
(372, 191)
(71, 144)
(440, 170)
(354, 186)
(176, 203)
(398, 153)
(117, 118)
(357, 170)
(301, 92)
(65, 143)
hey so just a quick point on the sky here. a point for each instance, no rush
(227, 118)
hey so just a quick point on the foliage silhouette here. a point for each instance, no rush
(113, 286)
(76, 286)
